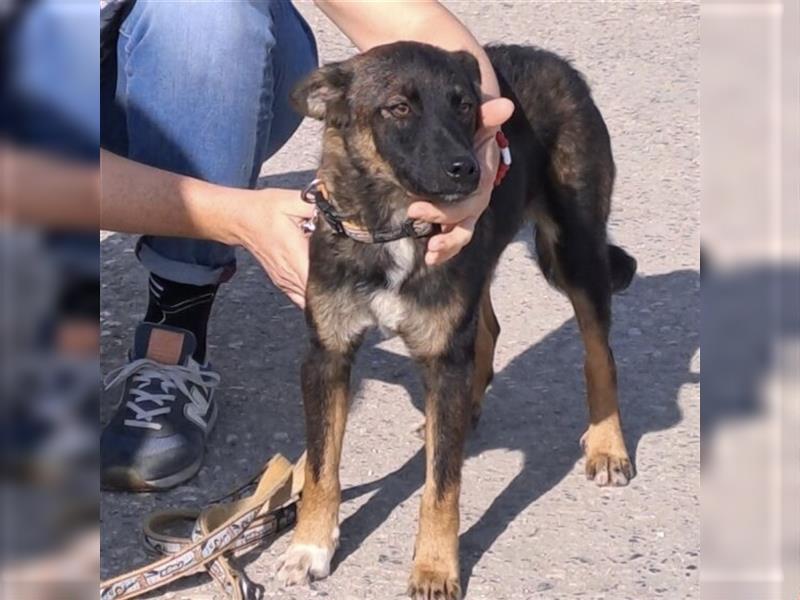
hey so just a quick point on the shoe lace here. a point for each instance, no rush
(170, 378)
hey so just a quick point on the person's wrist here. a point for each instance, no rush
(240, 221)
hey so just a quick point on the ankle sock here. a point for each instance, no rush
(181, 305)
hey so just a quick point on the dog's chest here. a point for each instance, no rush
(386, 306)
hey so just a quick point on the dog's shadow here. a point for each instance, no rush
(536, 406)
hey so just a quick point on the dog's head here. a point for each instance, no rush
(408, 107)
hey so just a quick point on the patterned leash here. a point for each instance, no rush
(220, 531)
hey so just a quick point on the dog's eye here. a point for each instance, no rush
(465, 107)
(400, 109)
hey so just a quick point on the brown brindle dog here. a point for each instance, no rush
(399, 122)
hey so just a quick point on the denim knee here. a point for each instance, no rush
(195, 83)
(203, 90)
(193, 34)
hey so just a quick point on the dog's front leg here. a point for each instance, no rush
(326, 379)
(448, 382)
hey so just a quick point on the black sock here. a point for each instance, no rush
(181, 305)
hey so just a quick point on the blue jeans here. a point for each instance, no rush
(202, 89)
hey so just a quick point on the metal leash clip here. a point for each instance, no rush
(309, 193)
(309, 196)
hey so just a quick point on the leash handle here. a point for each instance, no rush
(219, 530)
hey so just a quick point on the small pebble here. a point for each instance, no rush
(231, 439)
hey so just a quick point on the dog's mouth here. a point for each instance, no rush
(439, 196)
(443, 198)
(433, 189)
(452, 198)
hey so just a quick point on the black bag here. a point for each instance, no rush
(112, 14)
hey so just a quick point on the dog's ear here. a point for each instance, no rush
(323, 94)
(470, 64)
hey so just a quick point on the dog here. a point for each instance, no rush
(399, 122)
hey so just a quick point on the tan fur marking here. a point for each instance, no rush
(436, 566)
(603, 441)
(318, 517)
(485, 341)
(363, 143)
(334, 152)
(338, 318)
(427, 332)
(316, 535)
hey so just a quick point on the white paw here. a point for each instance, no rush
(304, 562)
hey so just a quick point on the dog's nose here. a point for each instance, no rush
(462, 168)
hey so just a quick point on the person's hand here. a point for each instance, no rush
(271, 229)
(458, 220)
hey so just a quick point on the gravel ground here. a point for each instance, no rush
(532, 526)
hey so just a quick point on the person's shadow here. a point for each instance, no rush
(536, 406)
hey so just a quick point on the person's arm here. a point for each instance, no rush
(370, 24)
(142, 199)
(137, 198)
(48, 191)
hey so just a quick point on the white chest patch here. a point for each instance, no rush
(402, 253)
(386, 306)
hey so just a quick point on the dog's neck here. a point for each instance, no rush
(366, 193)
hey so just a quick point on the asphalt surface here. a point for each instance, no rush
(532, 526)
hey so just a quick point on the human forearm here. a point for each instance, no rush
(45, 190)
(141, 199)
(369, 24)
(137, 198)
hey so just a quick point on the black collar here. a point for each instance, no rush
(315, 193)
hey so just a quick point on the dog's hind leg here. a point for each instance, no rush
(607, 461)
(485, 342)
(326, 379)
(579, 263)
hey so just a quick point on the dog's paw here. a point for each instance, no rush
(607, 462)
(302, 563)
(609, 470)
(427, 583)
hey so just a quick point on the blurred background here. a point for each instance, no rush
(49, 256)
(750, 409)
(49, 277)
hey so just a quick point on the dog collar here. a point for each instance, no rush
(317, 194)
(505, 158)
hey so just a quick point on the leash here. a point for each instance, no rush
(220, 531)
(317, 194)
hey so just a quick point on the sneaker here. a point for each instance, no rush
(156, 438)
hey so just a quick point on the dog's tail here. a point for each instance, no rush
(623, 268)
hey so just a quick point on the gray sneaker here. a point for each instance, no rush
(156, 438)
